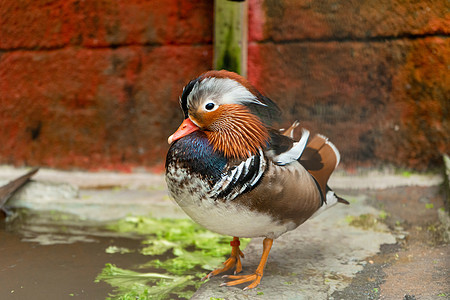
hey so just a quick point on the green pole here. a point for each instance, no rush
(230, 36)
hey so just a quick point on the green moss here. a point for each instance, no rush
(351, 199)
(383, 215)
(406, 174)
(364, 221)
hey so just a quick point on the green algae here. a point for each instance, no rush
(135, 285)
(189, 252)
(367, 221)
(115, 249)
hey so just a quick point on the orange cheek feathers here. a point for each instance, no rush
(185, 128)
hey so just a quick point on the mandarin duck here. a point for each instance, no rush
(232, 173)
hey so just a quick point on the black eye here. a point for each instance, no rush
(209, 106)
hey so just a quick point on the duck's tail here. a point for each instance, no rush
(320, 158)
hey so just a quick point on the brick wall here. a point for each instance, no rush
(371, 75)
(95, 84)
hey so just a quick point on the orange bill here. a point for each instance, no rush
(185, 128)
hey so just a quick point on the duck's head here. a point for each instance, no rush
(229, 110)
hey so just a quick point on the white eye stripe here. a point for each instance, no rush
(225, 90)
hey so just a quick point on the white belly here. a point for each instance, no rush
(226, 218)
(229, 219)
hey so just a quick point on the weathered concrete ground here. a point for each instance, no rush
(386, 245)
(390, 243)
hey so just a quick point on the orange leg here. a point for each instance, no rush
(234, 260)
(255, 277)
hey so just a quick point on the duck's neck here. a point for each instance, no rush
(238, 134)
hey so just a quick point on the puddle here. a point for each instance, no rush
(30, 270)
(49, 255)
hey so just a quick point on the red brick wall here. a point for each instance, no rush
(372, 75)
(95, 84)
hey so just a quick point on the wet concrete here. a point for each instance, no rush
(63, 269)
(388, 244)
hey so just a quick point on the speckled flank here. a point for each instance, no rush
(193, 196)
